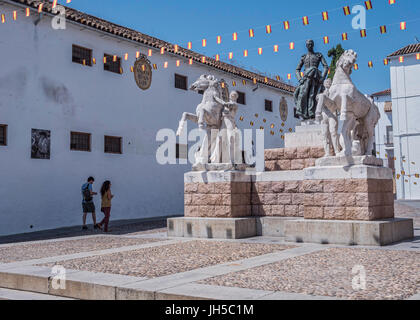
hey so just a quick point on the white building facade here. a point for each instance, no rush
(405, 90)
(88, 121)
(384, 141)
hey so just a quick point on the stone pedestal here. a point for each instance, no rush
(209, 228)
(367, 233)
(349, 188)
(341, 200)
(307, 134)
(217, 194)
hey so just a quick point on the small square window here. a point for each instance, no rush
(3, 135)
(113, 144)
(79, 141)
(241, 97)
(181, 82)
(269, 105)
(112, 64)
(181, 151)
(82, 55)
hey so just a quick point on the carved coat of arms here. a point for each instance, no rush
(143, 72)
(283, 109)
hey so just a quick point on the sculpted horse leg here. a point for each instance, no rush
(370, 122)
(348, 126)
(333, 126)
(200, 118)
(185, 116)
(326, 133)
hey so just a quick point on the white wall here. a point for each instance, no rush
(41, 88)
(380, 130)
(405, 87)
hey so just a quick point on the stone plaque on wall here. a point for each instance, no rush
(283, 109)
(143, 72)
(40, 144)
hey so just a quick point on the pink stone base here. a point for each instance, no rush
(219, 200)
(350, 199)
(291, 158)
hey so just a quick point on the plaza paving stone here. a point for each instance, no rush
(29, 251)
(389, 274)
(170, 259)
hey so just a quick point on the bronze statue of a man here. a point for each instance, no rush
(311, 84)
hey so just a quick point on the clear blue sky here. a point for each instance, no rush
(182, 21)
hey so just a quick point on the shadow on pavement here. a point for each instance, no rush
(118, 227)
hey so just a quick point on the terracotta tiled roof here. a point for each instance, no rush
(130, 34)
(386, 92)
(412, 48)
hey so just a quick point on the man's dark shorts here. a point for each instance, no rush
(88, 207)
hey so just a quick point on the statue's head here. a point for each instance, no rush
(310, 44)
(234, 96)
(347, 61)
(327, 83)
(203, 83)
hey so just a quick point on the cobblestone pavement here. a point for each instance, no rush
(29, 251)
(169, 259)
(389, 274)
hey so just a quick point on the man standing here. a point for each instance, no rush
(87, 203)
(310, 85)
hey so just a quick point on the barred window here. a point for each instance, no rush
(112, 64)
(181, 82)
(3, 135)
(269, 105)
(241, 97)
(113, 144)
(82, 55)
(79, 141)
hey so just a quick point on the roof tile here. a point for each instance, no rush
(412, 48)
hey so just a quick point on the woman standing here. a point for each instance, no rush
(106, 204)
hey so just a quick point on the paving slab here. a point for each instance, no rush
(92, 285)
(414, 297)
(209, 292)
(293, 296)
(26, 278)
(8, 294)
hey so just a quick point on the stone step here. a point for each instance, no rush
(34, 283)
(9, 294)
(291, 158)
(295, 229)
